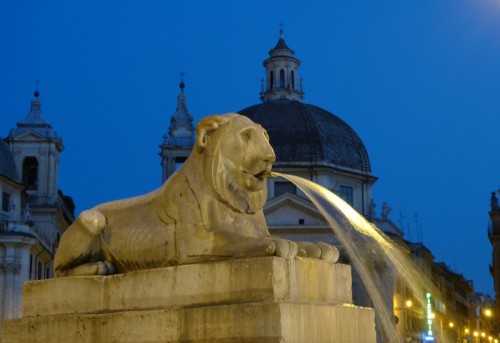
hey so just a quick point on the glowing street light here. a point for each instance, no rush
(488, 312)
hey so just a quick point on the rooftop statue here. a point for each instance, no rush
(210, 209)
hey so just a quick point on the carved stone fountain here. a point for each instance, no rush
(194, 262)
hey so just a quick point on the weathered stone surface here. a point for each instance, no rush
(268, 299)
(234, 281)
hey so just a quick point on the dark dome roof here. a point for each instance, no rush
(306, 133)
(7, 165)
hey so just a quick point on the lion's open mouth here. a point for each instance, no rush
(262, 175)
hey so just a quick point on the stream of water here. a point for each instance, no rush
(379, 261)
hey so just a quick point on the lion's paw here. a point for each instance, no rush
(329, 252)
(285, 248)
(308, 249)
(320, 251)
(105, 268)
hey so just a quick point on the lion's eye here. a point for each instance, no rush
(247, 134)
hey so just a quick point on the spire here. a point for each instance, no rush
(179, 142)
(181, 129)
(281, 48)
(282, 73)
(35, 113)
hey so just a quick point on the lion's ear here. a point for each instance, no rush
(204, 127)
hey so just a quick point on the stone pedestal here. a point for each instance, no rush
(268, 299)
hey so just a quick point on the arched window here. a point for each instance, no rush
(271, 80)
(30, 173)
(282, 78)
(293, 79)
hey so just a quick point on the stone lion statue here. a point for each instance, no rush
(209, 209)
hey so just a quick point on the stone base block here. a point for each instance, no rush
(253, 322)
(267, 299)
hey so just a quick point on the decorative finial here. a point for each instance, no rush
(281, 30)
(37, 93)
(182, 85)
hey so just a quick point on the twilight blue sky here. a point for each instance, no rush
(417, 80)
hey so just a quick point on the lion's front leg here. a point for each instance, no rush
(230, 244)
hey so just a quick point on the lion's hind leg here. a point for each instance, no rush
(93, 268)
(79, 251)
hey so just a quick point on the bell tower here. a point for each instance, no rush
(494, 237)
(36, 149)
(179, 141)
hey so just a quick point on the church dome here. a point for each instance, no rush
(304, 134)
(7, 164)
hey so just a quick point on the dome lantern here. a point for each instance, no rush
(281, 73)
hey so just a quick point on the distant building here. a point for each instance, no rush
(484, 318)
(33, 210)
(494, 237)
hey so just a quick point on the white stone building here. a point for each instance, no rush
(33, 210)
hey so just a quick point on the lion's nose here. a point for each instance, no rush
(270, 157)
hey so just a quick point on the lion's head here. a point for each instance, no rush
(237, 160)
